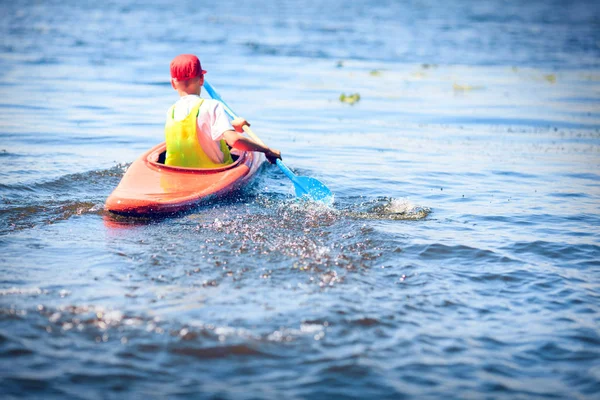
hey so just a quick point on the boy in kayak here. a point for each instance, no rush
(198, 132)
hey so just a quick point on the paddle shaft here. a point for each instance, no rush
(303, 185)
(288, 172)
(231, 113)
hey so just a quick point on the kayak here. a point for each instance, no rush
(149, 187)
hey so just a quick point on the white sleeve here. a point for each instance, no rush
(220, 122)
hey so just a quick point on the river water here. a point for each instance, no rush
(461, 258)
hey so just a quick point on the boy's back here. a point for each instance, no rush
(198, 132)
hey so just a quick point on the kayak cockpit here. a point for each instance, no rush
(157, 157)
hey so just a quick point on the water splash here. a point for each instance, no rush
(388, 208)
(309, 236)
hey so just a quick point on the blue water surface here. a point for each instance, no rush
(460, 259)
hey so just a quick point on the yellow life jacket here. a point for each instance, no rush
(183, 147)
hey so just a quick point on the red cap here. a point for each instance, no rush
(186, 66)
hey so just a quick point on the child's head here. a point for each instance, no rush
(187, 75)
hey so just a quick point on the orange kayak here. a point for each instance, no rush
(151, 187)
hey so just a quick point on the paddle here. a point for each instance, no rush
(303, 185)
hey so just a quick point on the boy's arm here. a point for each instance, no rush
(244, 143)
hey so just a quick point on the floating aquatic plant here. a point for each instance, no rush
(537, 75)
(465, 88)
(350, 99)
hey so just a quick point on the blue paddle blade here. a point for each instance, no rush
(313, 189)
(306, 186)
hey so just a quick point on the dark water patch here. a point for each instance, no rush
(43, 61)
(16, 386)
(57, 332)
(584, 176)
(71, 183)
(576, 226)
(552, 351)
(8, 154)
(588, 264)
(26, 217)
(366, 321)
(153, 83)
(151, 125)
(262, 49)
(551, 285)
(142, 336)
(515, 122)
(570, 195)
(512, 277)
(32, 107)
(587, 383)
(584, 100)
(447, 253)
(515, 174)
(224, 351)
(97, 139)
(529, 220)
(119, 380)
(74, 139)
(556, 251)
(443, 175)
(93, 108)
(27, 206)
(349, 369)
(585, 336)
(117, 222)
(286, 50)
(15, 353)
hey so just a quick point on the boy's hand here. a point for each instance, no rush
(272, 155)
(238, 124)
